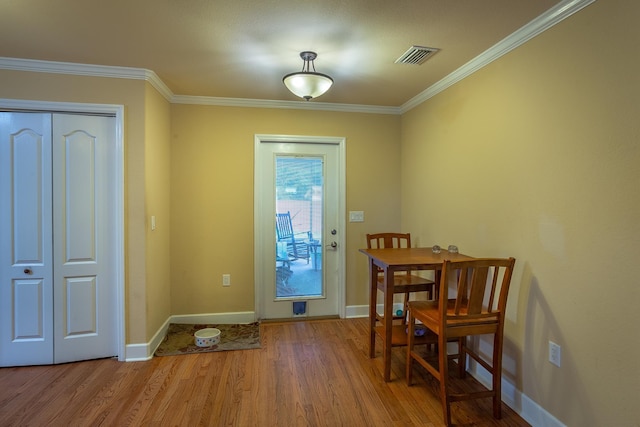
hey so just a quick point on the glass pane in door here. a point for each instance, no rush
(299, 223)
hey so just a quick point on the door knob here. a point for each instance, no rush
(333, 245)
(28, 271)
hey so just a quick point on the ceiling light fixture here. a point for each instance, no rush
(307, 84)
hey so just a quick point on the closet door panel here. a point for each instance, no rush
(84, 290)
(26, 295)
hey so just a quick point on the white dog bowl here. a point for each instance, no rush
(207, 337)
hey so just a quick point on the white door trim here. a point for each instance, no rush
(118, 112)
(259, 233)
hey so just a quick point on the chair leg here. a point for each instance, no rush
(373, 318)
(431, 292)
(410, 344)
(497, 376)
(405, 308)
(462, 357)
(443, 367)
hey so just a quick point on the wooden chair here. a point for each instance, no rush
(404, 283)
(478, 308)
(297, 242)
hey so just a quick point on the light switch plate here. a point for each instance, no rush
(555, 353)
(356, 216)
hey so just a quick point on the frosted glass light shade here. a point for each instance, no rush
(307, 84)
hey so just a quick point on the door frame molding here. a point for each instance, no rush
(259, 234)
(116, 111)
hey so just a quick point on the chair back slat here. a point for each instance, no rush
(492, 294)
(480, 294)
(461, 295)
(477, 291)
(388, 240)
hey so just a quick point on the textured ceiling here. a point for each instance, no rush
(241, 49)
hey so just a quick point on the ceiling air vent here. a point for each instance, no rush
(417, 55)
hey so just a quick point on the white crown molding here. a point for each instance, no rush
(86, 70)
(542, 23)
(71, 68)
(155, 81)
(548, 19)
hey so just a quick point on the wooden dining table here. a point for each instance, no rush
(390, 261)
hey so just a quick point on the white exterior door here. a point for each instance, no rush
(328, 257)
(57, 291)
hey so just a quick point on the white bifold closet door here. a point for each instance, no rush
(57, 289)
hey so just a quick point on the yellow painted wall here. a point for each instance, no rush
(537, 156)
(212, 161)
(547, 136)
(157, 197)
(131, 94)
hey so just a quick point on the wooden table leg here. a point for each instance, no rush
(388, 322)
(373, 289)
(436, 288)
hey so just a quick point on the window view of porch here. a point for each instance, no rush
(299, 222)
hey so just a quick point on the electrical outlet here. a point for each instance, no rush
(226, 280)
(555, 353)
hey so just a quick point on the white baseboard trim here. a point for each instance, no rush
(137, 352)
(529, 410)
(229, 318)
(144, 351)
(353, 311)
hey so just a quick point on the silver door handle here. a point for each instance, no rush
(333, 245)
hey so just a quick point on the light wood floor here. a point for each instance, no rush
(314, 373)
